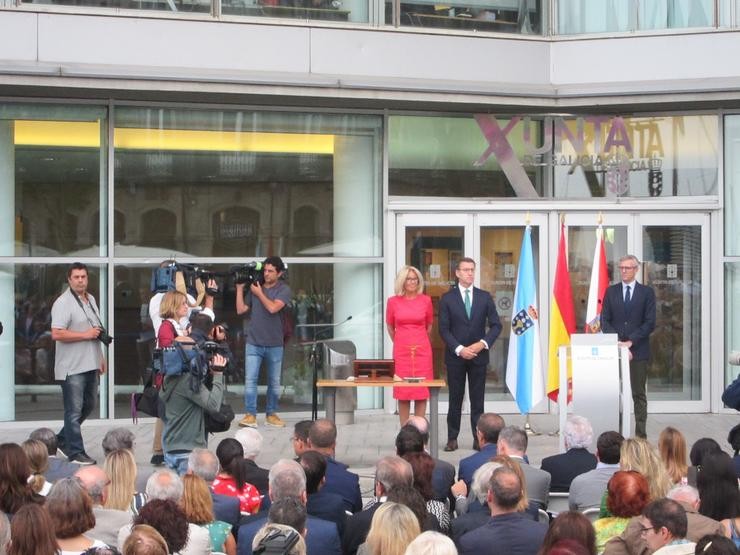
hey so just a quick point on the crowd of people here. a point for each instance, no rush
(626, 497)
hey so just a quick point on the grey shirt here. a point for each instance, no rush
(266, 329)
(75, 357)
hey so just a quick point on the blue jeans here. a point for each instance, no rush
(177, 462)
(78, 392)
(273, 357)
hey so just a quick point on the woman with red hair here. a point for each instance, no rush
(627, 494)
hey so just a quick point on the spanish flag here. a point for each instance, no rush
(562, 318)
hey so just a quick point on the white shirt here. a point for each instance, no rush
(156, 301)
(462, 294)
(631, 285)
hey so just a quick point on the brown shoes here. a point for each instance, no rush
(451, 445)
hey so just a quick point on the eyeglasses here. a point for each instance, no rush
(645, 529)
(412, 279)
(627, 268)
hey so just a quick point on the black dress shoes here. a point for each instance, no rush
(451, 445)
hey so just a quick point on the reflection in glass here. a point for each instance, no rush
(500, 16)
(500, 250)
(732, 318)
(212, 183)
(320, 10)
(672, 267)
(198, 6)
(732, 185)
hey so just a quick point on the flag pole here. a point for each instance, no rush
(528, 429)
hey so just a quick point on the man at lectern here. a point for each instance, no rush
(629, 311)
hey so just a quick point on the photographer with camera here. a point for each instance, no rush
(265, 338)
(79, 335)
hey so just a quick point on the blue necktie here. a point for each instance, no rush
(627, 297)
(467, 302)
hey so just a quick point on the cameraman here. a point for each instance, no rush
(76, 329)
(185, 406)
(264, 338)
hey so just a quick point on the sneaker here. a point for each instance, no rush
(83, 459)
(157, 460)
(274, 420)
(249, 421)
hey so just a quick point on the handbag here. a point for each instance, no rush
(147, 402)
(219, 421)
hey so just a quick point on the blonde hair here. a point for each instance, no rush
(507, 462)
(196, 501)
(393, 528)
(145, 540)
(639, 455)
(431, 543)
(170, 303)
(38, 457)
(120, 465)
(401, 279)
(672, 449)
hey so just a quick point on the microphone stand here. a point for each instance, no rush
(314, 358)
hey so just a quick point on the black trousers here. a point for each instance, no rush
(638, 381)
(476, 376)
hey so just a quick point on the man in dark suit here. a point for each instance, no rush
(58, 468)
(321, 504)
(443, 475)
(287, 479)
(513, 441)
(204, 463)
(322, 437)
(468, 324)
(487, 430)
(629, 311)
(251, 441)
(576, 460)
(508, 531)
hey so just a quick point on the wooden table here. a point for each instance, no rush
(330, 390)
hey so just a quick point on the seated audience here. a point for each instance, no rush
(251, 442)
(664, 528)
(715, 544)
(423, 466)
(169, 520)
(4, 533)
(289, 511)
(32, 532)
(733, 438)
(672, 449)
(564, 467)
(567, 547)
(393, 528)
(58, 467)
(627, 494)
(197, 505)
(478, 512)
(717, 485)
(286, 536)
(145, 540)
(15, 470)
(70, 510)
(107, 521)
(587, 489)
(444, 473)
(231, 480)
(204, 463)
(639, 455)
(431, 543)
(120, 466)
(320, 503)
(701, 448)
(487, 433)
(570, 525)
(512, 441)
(118, 438)
(38, 459)
(300, 436)
(410, 497)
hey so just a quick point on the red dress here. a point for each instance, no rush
(412, 350)
(249, 496)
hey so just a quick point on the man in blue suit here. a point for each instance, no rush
(489, 426)
(287, 479)
(629, 311)
(468, 324)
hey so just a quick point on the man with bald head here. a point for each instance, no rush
(322, 437)
(107, 521)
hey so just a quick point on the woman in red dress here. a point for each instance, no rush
(409, 317)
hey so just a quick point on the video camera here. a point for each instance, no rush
(250, 273)
(164, 278)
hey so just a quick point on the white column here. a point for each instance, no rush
(356, 233)
(7, 272)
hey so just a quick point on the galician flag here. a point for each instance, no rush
(599, 283)
(524, 367)
(562, 318)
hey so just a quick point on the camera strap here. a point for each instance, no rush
(92, 308)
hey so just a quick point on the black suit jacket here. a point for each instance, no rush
(512, 533)
(356, 529)
(636, 323)
(327, 506)
(344, 483)
(257, 476)
(566, 466)
(457, 329)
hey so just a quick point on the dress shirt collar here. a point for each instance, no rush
(604, 465)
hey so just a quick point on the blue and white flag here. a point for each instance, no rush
(524, 366)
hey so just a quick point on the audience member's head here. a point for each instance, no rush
(251, 441)
(145, 540)
(567, 547)
(421, 424)
(391, 472)
(300, 436)
(608, 446)
(733, 438)
(578, 433)
(95, 481)
(393, 528)
(627, 493)
(638, 454)
(322, 436)
(230, 455)
(118, 438)
(164, 484)
(508, 462)
(32, 531)
(714, 544)
(291, 541)
(684, 493)
(663, 521)
(571, 525)
(431, 543)
(489, 427)
(15, 491)
(120, 466)
(512, 441)
(717, 485)
(48, 438)
(203, 463)
(289, 511)
(70, 509)
(287, 479)
(167, 518)
(701, 448)
(409, 497)
(422, 465)
(672, 449)
(504, 491)
(314, 465)
(409, 440)
(481, 479)
(196, 502)
(38, 460)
